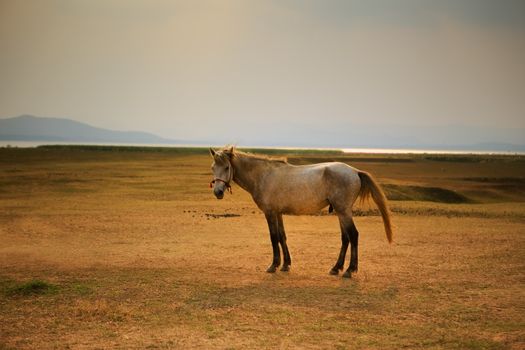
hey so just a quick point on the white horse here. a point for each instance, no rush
(278, 188)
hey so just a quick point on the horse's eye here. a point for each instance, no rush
(227, 168)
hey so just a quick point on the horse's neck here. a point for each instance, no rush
(248, 171)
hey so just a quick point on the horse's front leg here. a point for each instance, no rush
(282, 239)
(273, 225)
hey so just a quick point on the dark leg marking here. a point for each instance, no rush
(342, 254)
(273, 225)
(282, 240)
(354, 239)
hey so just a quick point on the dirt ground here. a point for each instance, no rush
(133, 251)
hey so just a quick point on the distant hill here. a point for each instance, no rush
(49, 130)
(31, 128)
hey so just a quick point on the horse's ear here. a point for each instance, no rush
(212, 152)
(230, 150)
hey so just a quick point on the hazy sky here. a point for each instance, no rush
(282, 72)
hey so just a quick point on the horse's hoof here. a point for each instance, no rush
(347, 274)
(271, 269)
(334, 272)
(285, 268)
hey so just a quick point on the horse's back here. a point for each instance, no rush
(306, 189)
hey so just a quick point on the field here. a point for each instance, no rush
(128, 248)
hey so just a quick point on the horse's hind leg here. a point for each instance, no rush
(354, 239)
(282, 239)
(273, 225)
(342, 254)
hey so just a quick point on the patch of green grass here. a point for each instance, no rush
(33, 287)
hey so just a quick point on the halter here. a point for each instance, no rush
(227, 183)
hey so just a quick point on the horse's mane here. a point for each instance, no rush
(236, 153)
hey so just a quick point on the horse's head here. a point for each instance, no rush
(222, 171)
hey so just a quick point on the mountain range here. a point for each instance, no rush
(40, 129)
(31, 128)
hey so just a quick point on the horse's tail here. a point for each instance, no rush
(369, 187)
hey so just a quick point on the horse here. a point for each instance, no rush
(279, 188)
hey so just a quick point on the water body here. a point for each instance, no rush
(32, 144)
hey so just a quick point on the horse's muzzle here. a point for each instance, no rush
(218, 193)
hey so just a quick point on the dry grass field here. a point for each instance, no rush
(121, 248)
